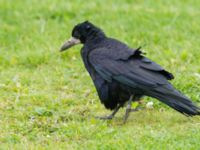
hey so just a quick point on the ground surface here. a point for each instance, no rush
(47, 99)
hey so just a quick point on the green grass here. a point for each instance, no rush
(47, 99)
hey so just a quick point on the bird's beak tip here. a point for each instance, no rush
(71, 42)
(62, 49)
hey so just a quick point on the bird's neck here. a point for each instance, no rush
(95, 35)
(94, 40)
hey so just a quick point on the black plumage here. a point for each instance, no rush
(122, 74)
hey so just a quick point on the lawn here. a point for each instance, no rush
(47, 99)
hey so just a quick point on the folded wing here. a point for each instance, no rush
(135, 71)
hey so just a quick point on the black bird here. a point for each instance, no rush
(122, 74)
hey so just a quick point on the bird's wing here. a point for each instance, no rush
(136, 71)
(141, 73)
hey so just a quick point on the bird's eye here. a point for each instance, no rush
(88, 27)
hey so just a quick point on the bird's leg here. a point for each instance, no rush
(111, 115)
(128, 108)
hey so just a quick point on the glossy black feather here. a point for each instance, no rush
(119, 72)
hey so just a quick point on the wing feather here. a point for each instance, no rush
(136, 72)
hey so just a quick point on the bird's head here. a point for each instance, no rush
(81, 33)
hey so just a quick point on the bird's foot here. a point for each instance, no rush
(105, 117)
(128, 110)
(137, 109)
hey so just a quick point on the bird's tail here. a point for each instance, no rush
(176, 100)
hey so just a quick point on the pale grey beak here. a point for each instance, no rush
(71, 42)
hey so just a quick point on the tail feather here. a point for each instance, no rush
(177, 101)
